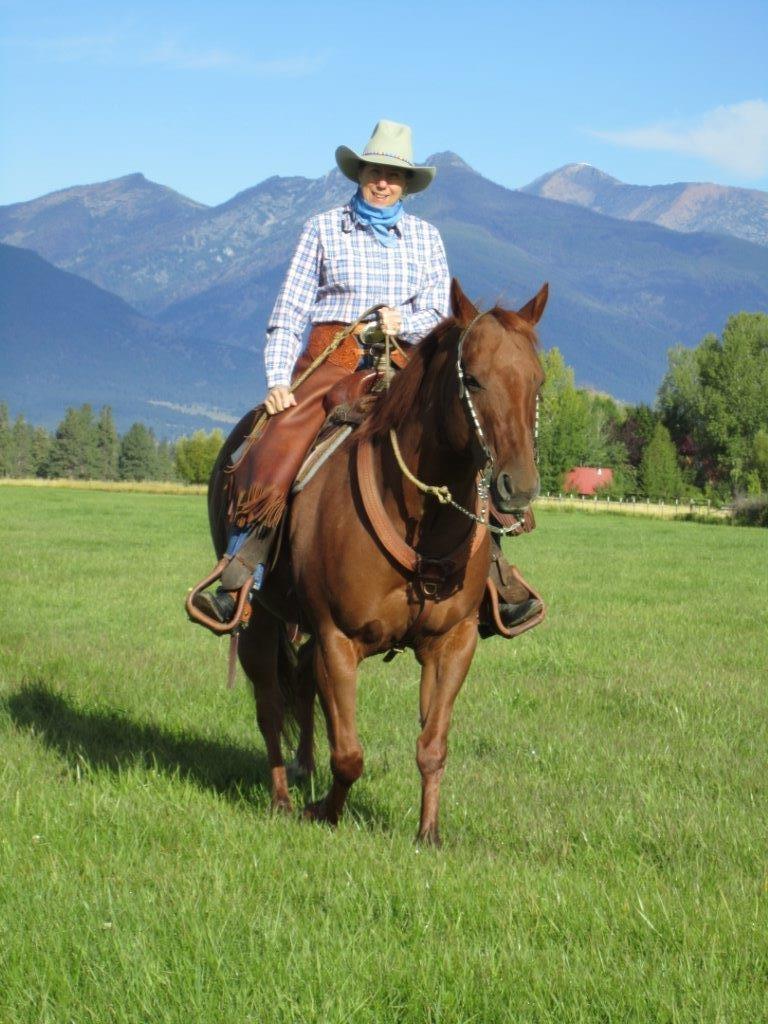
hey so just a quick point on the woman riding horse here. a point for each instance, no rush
(347, 260)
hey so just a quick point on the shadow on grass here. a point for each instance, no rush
(111, 740)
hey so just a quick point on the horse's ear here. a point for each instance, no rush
(461, 307)
(532, 311)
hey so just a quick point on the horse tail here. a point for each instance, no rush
(296, 680)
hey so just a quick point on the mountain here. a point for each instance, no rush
(622, 292)
(64, 341)
(685, 206)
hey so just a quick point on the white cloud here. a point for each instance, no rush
(734, 137)
(173, 56)
(115, 49)
(68, 48)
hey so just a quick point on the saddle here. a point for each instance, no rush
(348, 403)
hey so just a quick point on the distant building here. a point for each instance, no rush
(587, 480)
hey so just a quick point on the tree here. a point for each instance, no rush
(138, 458)
(21, 455)
(659, 473)
(714, 399)
(575, 428)
(166, 461)
(635, 431)
(562, 422)
(760, 457)
(107, 446)
(6, 441)
(74, 451)
(196, 455)
(40, 450)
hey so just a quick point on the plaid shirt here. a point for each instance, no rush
(339, 269)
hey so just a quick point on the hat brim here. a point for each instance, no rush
(348, 162)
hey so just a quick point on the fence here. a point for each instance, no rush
(670, 508)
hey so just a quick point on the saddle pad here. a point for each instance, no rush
(323, 449)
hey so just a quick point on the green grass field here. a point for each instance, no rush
(604, 806)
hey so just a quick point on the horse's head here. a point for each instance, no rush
(502, 375)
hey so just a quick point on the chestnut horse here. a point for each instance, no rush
(338, 580)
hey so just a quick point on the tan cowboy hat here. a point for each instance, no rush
(389, 146)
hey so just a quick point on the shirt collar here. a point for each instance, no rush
(349, 221)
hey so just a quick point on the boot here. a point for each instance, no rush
(517, 602)
(515, 614)
(219, 605)
(253, 552)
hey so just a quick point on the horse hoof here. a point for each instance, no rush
(430, 837)
(281, 805)
(298, 772)
(318, 812)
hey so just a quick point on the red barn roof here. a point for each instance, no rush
(587, 479)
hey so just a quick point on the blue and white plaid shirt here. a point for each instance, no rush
(339, 270)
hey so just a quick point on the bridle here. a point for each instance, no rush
(482, 451)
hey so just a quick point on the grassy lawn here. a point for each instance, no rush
(604, 807)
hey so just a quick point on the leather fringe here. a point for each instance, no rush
(259, 503)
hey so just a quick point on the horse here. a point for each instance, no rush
(461, 416)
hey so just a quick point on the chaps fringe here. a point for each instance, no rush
(261, 503)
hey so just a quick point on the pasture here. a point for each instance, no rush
(604, 806)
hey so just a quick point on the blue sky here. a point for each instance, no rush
(211, 99)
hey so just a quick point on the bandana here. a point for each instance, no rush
(379, 218)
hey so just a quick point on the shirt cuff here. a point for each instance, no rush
(278, 379)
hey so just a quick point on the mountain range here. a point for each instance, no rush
(684, 206)
(135, 294)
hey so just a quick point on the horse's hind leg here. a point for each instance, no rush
(445, 662)
(336, 662)
(304, 691)
(258, 651)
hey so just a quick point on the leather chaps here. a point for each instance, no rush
(259, 484)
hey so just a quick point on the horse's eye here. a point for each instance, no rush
(471, 383)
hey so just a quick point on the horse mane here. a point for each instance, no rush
(394, 405)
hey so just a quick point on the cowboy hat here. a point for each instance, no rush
(389, 146)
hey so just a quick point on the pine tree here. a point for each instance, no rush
(659, 472)
(40, 451)
(107, 446)
(6, 441)
(166, 461)
(138, 454)
(21, 441)
(74, 452)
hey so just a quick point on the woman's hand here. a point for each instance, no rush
(390, 320)
(278, 400)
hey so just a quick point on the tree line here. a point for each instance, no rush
(706, 438)
(87, 446)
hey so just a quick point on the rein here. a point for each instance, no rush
(485, 471)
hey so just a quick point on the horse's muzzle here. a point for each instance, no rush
(510, 495)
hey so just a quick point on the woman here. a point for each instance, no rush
(367, 252)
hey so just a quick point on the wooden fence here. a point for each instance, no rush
(669, 508)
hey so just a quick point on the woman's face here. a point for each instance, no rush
(381, 186)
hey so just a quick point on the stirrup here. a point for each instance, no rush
(242, 605)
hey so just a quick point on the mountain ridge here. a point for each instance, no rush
(680, 206)
(623, 291)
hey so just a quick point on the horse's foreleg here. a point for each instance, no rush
(336, 662)
(445, 662)
(258, 652)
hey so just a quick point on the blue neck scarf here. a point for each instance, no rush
(379, 218)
